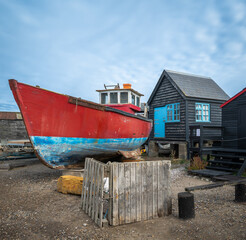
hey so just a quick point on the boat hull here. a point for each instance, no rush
(69, 151)
(64, 130)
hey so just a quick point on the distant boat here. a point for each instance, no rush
(64, 130)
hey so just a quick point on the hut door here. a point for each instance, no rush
(159, 122)
(242, 128)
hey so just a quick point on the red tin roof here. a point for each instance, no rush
(234, 97)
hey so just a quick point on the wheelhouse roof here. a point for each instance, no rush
(120, 89)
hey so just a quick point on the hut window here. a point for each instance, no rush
(114, 97)
(138, 101)
(202, 112)
(124, 97)
(173, 112)
(133, 99)
(104, 98)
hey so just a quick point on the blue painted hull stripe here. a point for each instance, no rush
(58, 151)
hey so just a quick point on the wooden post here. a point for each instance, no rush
(186, 205)
(153, 149)
(201, 141)
(240, 193)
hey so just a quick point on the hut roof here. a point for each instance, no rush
(193, 86)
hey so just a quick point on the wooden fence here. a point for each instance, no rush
(92, 190)
(137, 191)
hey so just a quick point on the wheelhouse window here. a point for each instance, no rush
(124, 97)
(202, 112)
(173, 112)
(169, 113)
(133, 99)
(104, 98)
(114, 97)
(138, 101)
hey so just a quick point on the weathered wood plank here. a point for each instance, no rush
(91, 187)
(127, 193)
(149, 180)
(144, 192)
(85, 184)
(155, 188)
(121, 189)
(169, 189)
(97, 218)
(138, 190)
(160, 190)
(97, 193)
(165, 185)
(88, 186)
(214, 185)
(242, 169)
(83, 195)
(94, 191)
(101, 195)
(111, 194)
(115, 200)
(133, 205)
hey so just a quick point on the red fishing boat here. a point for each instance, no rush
(64, 130)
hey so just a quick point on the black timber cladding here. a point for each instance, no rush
(186, 89)
(233, 119)
(215, 114)
(167, 94)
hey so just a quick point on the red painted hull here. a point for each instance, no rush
(50, 114)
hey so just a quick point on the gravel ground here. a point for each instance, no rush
(31, 208)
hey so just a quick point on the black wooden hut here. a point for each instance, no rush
(230, 156)
(234, 121)
(178, 101)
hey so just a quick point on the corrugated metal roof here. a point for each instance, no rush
(197, 86)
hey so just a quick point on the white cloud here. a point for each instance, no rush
(242, 33)
(234, 50)
(75, 47)
(21, 12)
(238, 11)
(213, 17)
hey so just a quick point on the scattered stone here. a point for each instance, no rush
(29, 202)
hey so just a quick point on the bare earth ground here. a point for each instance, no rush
(31, 208)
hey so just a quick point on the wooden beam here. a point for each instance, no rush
(215, 185)
(241, 170)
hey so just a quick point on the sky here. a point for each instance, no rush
(75, 47)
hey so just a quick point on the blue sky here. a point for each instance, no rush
(74, 47)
